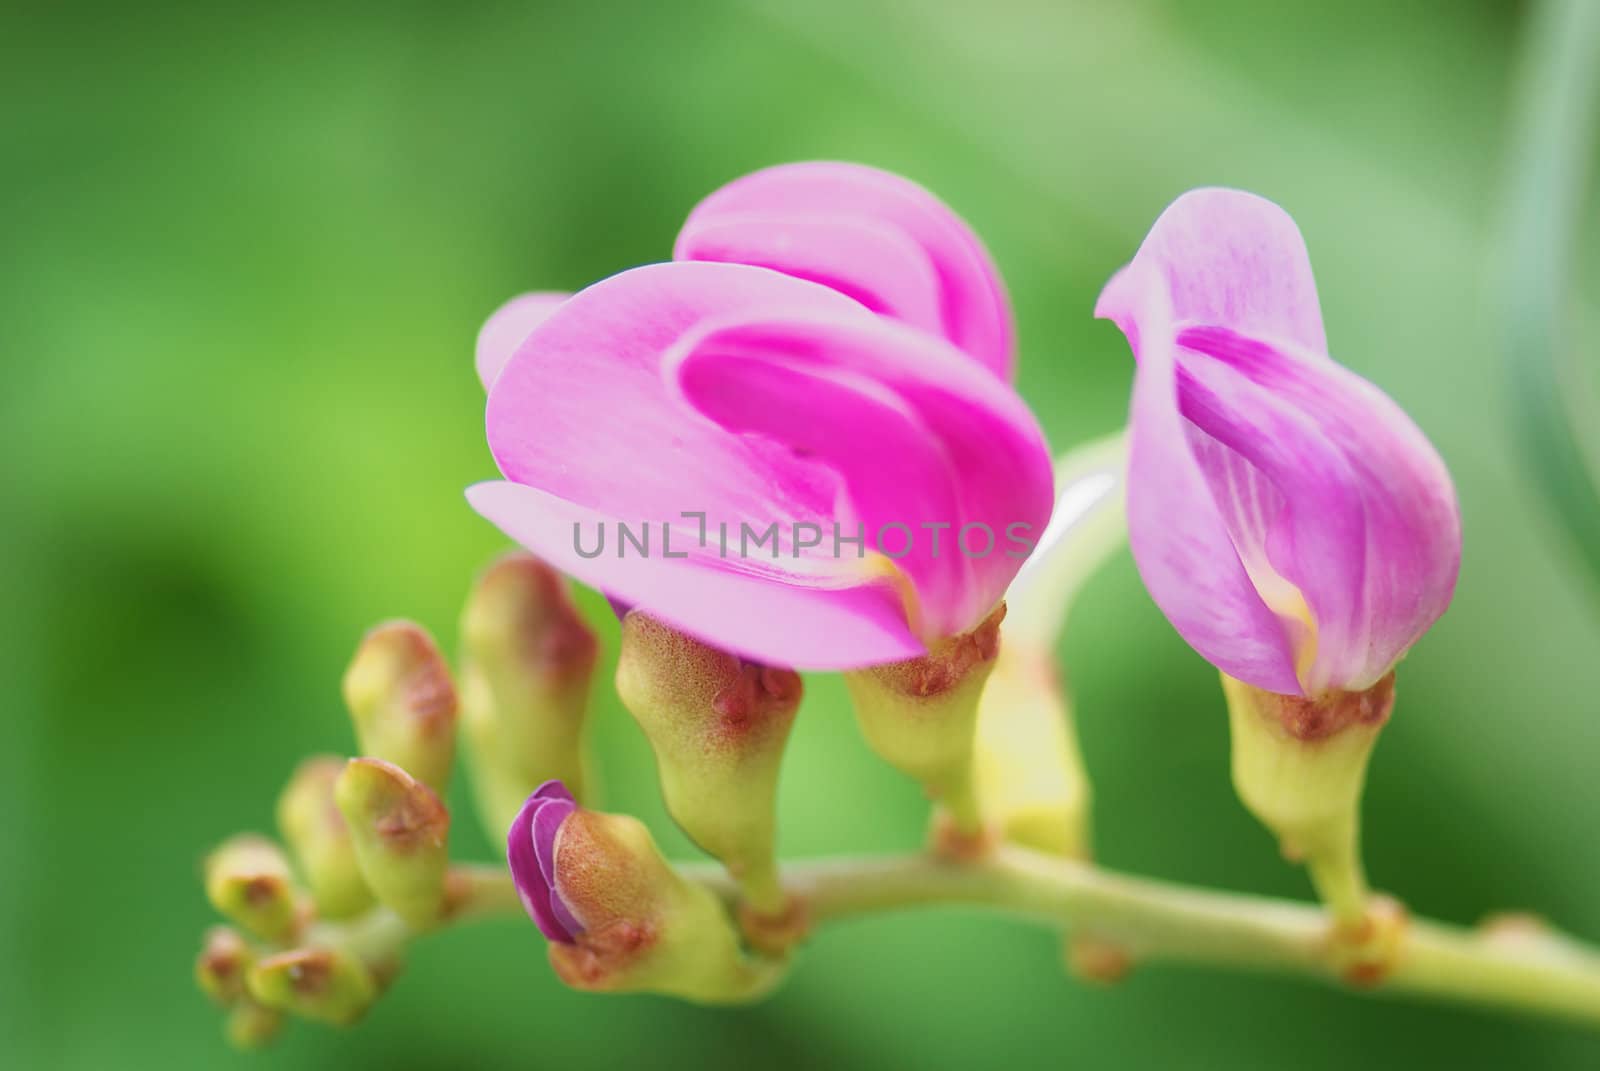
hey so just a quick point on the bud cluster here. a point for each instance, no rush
(320, 918)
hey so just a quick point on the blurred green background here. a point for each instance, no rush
(245, 253)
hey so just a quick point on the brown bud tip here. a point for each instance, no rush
(318, 983)
(403, 700)
(247, 879)
(521, 611)
(400, 832)
(220, 968)
(405, 814)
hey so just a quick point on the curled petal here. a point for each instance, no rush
(1289, 519)
(505, 329)
(923, 442)
(530, 853)
(875, 236)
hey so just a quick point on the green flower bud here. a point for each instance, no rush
(1299, 765)
(399, 830)
(403, 702)
(1031, 784)
(248, 881)
(921, 717)
(252, 1025)
(220, 968)
(326, 985)
(527, 662)
(639, 925)
(718, 725)
(310, 822)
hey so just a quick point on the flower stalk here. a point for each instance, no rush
(1520, 969)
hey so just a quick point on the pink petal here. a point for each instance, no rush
(1179, 540)
(750, 614)
(532, 884)
(504, 331)
(919, 435)
(1405, 519)
(1223, 257)
(581, 410)
(870, 234)
(1262, 474)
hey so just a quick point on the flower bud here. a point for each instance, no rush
(403, 702)
(1030, 780)
(327, 985)
(527, 661)
(1299, 766)
(252, 1025)
(399, 830)
(921, 716)
(310, 822)
(248, 881)
(220, 968)
(618, 917)
(718, 725)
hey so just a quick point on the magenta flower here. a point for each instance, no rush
(531, 854)
(804, 481)
(1289, 519)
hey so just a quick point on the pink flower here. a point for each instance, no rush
(1290, 520)
(851, 402)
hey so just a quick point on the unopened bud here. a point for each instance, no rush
(400, 833)
(527, 661)
(310, 822)
(327, 985)
(248, 881)
(252, 1025)
(618, 917)
(1299, 765)
(1031, 783)
(403, 701)
(921, 716)
(718, 725)
(220, 968)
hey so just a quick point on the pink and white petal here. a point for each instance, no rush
(1179, 537)
(871, 261)
(505, 329)
(919, 435)
(1292, 504)
(1411, 536)
(750, 614)
(1226, 258)
(974, 311)
(581, 410)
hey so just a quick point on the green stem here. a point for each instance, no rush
(1155, 922)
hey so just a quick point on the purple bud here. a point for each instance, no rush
(531, 854)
